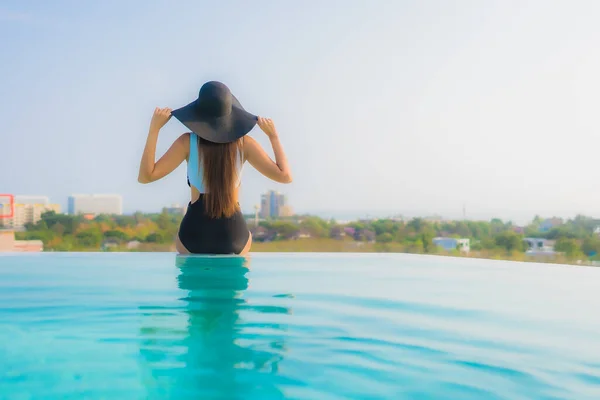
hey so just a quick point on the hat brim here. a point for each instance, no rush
(225, 129)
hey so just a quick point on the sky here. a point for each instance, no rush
(383, 107)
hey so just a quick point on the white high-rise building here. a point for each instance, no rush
(95, 204)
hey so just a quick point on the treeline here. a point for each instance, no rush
(574, 238)
(62, 232)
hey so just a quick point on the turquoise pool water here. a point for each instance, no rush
(296, 326)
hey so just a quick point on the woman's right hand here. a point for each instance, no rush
(160, 117)
(268, 127)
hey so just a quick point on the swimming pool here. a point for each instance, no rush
(295, 326)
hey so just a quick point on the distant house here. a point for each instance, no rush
(369, 236)
(539, 243)
(364, 234)
(109, 244)
(262, 234)
(540, 248)
(133, 244)
(462, 245)
(302, 234)
(350, 231)
(518, 229)
(550, 223)
(259, 232)
(337, 232)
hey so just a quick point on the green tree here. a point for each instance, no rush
(114, 234)
(401, 233)
(476, 246)
(427, 240)
(125, 221)
(163, 221)
(104, 218)
(66, 244)
(44, 236)
(385, 226)
(510, 241)
(385, 237)
(50, 218)
(591, 245)
(155, 237)
(415, 246)
(416, 224)
(488, 243)
(569, 247)
(462, 229)
(497, 226)
(89, 238)
(59, 229)
(316, 226)
(138, 217)
(358, 226)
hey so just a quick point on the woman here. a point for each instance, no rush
(216, 149)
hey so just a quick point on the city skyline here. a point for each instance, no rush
(176, 208)
(401, 107)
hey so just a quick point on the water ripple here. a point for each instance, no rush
(289, 327)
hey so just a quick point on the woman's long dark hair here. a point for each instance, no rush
(219, 161)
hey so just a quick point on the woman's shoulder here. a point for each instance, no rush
(185, 138)
(183, 143)
(248, 142)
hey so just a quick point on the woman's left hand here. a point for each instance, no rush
(160, 117)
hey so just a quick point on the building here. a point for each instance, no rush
(518, 229)
(540, 248)
(462, 245)
(133, 244)
(286, 211)
(7, 240)
(265, 209)
(9, 244)
(95, 204)
(5, 213)
(302, 234)
(274, 205)
(550, 223)
(25, 213)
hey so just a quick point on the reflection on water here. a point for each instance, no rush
(205, 348)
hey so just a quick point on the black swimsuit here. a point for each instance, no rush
(202, 234)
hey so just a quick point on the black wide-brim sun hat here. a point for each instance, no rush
(216, 115)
